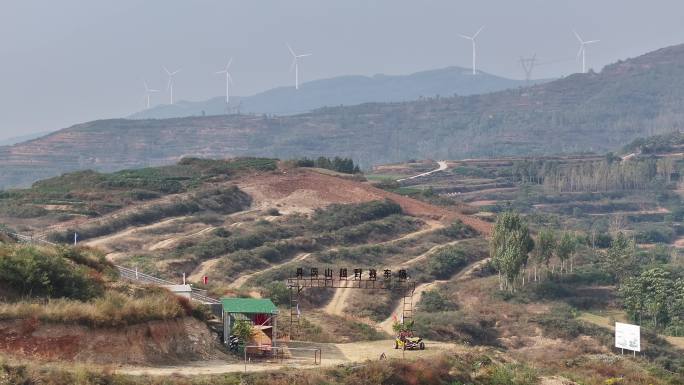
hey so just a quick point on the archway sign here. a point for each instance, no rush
(340, 278)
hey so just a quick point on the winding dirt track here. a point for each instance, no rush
(465, 273)
(100, 241)
(333, 355)
(442, 165)
(339, 299)
(165, 244)
(244, 278)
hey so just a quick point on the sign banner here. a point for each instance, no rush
(628, 336)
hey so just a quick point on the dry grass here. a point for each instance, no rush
(114, 309)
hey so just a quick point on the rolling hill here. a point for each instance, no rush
(582, 112)
(342, 90)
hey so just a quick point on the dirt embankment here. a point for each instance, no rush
(155, 342)
(301, 190)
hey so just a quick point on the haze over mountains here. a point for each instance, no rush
(583, 112)
(342, 90)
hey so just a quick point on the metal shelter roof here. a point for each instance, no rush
(248, 305)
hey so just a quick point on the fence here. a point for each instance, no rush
(198, 295)
(260, 353)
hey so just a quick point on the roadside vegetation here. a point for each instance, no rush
(92, 194)
(77, 286)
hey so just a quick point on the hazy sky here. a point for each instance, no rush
(68, 61)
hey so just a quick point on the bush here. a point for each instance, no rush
(458, 230)
(277, 292)
(445, 262)
(32, 272)
(654, 234)
(512, 374)
(338, 216)
(112, 310)
(433, 301)
(455, 326)
(273, 212)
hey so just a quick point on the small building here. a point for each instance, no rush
(260, 312)
(184, 291)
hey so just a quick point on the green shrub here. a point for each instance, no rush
(338, 216)
(458, 230)
(277, 292)
(512, 374)
(33, 272)
(22, 210)
(433, 301)
(445, 262)
(455, 326)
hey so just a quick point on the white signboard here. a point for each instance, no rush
(628, 336)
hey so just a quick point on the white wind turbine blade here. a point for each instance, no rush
(294, 62)
(220, 72)
(304, 55)
(229, 63)
(230, 78)
(168, 85)
(578, 36)
(478, 32)
(291, 50)
(166, 70)
(591, 41)
(465, 37)
(147, 89)
(579, 53)
(175, 72)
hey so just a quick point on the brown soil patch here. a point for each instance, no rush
(156, 342)
(301, 190)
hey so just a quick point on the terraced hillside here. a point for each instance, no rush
(247, 224)
(582, 112)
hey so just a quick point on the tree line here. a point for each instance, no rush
(654, 294)
(518, 257)
(609, 174)
(343, 165)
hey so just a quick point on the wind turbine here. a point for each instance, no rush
(229, 79)
(472, 39)
(148, 93)
(169, 85)
(583, 50)
(295, 64)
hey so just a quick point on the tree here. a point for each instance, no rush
(566, 248)
(545, 247)
(620, 259)
(509, 247)
(654, 293)
(243, 330)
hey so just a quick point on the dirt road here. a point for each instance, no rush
(338, 301)
(166, 243)
(442, 165)
(101, 241)
(386, 325)
(333, 355)
(465, 273)
(431, 226)
(244, 278)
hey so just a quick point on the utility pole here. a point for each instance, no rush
(528, 65)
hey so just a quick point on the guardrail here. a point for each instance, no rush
(198, 295)
(134, 275)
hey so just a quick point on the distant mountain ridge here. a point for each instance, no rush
(343, 90)
(596, 112)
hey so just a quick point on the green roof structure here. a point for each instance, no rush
(248, 306)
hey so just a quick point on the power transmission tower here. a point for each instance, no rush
(528, 65)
